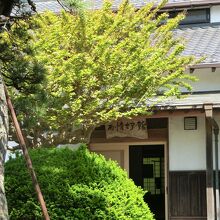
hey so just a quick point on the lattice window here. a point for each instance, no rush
(153, 174)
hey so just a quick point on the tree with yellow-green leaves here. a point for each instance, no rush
(100, 66)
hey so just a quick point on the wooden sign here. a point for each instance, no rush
(127, 128)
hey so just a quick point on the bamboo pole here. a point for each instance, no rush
(27, 157)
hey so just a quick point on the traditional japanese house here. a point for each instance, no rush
(173, 152)
(175, 160)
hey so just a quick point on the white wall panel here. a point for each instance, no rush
(215, 14)
(207, 80)
(186, 147)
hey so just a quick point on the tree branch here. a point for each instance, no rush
(14, 148)
(32, 4)
(61, 4)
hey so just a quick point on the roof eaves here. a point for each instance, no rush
(184, 107)
(172, 5)
(205, 65)
(191, 4)
(178, 107)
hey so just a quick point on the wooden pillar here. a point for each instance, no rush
(209, 165)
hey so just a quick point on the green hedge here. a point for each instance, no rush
(76, 185)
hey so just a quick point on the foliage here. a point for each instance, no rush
(21, 71)
(76, 6)
(104, 65)
(76, 185)
(18, 63)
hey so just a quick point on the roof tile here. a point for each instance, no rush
(201, 41)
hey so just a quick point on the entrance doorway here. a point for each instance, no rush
(147, 169)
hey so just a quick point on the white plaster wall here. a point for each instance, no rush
(207, 80)
(215, 14)
(187, 148)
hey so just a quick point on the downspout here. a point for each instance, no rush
(210, 198)
(209, 116)
(216, 133)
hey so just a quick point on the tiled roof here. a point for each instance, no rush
(195, 100)
(48, 5)
(53, 5)
(139, 3)
(200, 40)
(41, 6)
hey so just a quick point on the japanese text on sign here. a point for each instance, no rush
(127, 128)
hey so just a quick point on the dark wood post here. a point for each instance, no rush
(209, 164)
(217, 205)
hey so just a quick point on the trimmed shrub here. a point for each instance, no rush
(77, 185)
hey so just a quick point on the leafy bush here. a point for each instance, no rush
(76, 185)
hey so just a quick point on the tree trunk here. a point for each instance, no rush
(6, 7)
(3, 143)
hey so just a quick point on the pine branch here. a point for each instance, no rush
(32, 4)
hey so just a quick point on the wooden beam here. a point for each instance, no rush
(209, 164)
(205, 65)
(192, 3)
(167, 113)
